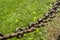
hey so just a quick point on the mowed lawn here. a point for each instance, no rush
(19, 13)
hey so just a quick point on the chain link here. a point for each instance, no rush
(19, 32)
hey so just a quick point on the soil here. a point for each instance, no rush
(53, 28)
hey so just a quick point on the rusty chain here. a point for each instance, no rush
(32, 27)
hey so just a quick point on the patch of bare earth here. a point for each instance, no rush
(53, 28)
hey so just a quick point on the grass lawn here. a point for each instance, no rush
(19, 13)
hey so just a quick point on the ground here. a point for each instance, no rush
(53, 28)
(19, 13)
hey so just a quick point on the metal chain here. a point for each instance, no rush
(32, 27)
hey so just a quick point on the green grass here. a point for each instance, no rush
(19, 13)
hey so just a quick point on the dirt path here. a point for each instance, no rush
(53, 28)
